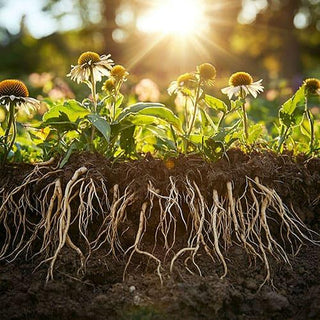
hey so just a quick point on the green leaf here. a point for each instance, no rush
(291, 112)
(73, 109)
(206, 122)
(162, 139)
(215, 103)
(61, 123)
(236, 104)
(255, 132)
(119, 100)
(135, 108)
(298, 99)
(156, 110)
(101, 124)
(65, 159)
(127, 140)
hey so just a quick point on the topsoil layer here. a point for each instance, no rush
(101, 293)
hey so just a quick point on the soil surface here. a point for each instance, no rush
(101, 293)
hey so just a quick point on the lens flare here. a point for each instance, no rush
(174, 17)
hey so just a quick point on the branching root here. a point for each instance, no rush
(85, 214)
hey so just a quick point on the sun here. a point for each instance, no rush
(181, 18)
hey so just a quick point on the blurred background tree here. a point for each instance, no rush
(275, 39)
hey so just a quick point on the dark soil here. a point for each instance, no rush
(102, 294)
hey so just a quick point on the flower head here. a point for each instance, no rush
(240, 79)
(13, 88)
(119, 73)
(207, 73)
(16, 92)
(88, 57)
(91, 63)
(312, 86)
(184, 83)
(109, 85)
(241, 84)
(187, 80)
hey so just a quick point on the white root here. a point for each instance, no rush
(215, 232)
(64, 222)
(138, 239)
(212, 226)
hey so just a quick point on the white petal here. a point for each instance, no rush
(230, 91)
(226, 90)
(173, 87)
(252, 91)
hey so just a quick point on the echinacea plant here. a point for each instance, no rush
(241, 84)
(311, 87)
(191, 87)
(14, 95)
(293, 111)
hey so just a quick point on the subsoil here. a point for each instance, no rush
(101, 293)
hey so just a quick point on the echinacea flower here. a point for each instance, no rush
(109, 85)
(207, 73)
(15, 92)
(241, 84)
(184, 83)
(312, 86)
(119, 73)
(90, 63)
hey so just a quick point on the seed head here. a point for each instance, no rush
(88, 56)
(13, 88)
(240, 79)
(118, 72)
(109, 85)
(312, 85)
(207, 72)
(187, 80)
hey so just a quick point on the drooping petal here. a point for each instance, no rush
(252, 91)
(173, 88)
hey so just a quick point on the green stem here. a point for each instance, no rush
(245, 122)
(196, 101)
(283, 137)
(94, 98)
(11, 122)
(186, 113)
(221, 120)
(115, 99)
(244, 116)
(311, 123)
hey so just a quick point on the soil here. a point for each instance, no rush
(102, 293)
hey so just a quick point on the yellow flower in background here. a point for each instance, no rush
(241, 84)
(312, 86)
(119, 73)
(16, 92)
(184, 83)
(90, 62)
(109, 85)
(207, 73)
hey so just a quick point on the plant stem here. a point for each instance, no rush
(115, 99)
(94, 98)
(283, 137)
(245, 118)
(196, 101)
(311, 123)
(221, 120)
(11, 122)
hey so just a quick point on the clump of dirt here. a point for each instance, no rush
(102, 292)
